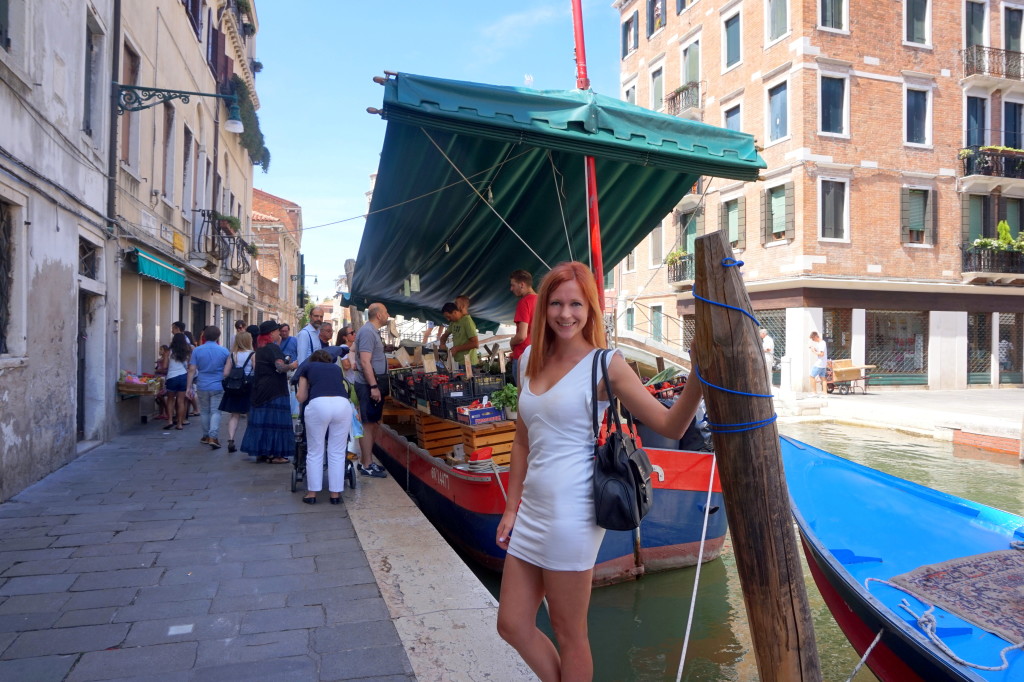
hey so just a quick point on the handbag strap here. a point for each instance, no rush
(614, 407)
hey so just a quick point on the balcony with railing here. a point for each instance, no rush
(685, 101)
(985, 265)
(681, 272)
(989, 65)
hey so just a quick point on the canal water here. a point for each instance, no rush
(637, 628)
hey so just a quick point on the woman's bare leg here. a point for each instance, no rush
(522, 588)
(568, 594)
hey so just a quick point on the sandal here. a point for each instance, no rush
(169, 426)
(179, 428)
(280, 460)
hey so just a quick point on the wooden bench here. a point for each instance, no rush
(845, 372)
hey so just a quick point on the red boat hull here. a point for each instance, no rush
(466, 508)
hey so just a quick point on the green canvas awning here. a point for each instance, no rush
(522, 151)
(159, 269)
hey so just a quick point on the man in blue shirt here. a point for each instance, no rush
(205, 377)
(289, 345)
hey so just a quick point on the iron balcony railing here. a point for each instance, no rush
(977, 259)
(1000, 162)
(683, 270)
(683, 99)
(992, 61)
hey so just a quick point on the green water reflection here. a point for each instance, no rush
(637, 628)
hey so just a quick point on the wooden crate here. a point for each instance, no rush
(497, 435)
(397, 413)
(437, 436)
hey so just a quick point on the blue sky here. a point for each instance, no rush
(319, 57)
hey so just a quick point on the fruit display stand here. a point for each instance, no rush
(397, 413)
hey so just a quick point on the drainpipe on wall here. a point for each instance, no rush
(115, 96)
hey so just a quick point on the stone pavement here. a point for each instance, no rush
(153, 558)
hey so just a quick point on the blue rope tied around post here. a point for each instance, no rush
(745, 426)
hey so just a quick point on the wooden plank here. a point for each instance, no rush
(429, 443)
(728, 352)
(493, 439)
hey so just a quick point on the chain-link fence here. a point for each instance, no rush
(979, 348)
(897, 344)
(838, 332)
(774, 321)
(1011, 341)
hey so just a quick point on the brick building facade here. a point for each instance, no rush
(277, 233)
(890, 132)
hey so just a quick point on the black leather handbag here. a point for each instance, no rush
(623, 494)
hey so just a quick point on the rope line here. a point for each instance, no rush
(926, 621)
(559, 183)
(726, 305)
(717, 428)
(704, 381)
(696, 577)
(864, 658)
(484, 199)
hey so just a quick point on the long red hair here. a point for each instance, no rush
(541, 335)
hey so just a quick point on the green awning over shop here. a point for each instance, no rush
(523, 153)
(159, 269)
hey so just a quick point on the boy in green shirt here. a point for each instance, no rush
(464, 335)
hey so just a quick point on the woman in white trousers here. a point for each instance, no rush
(328, 417)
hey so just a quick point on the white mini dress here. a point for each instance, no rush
(555, 527)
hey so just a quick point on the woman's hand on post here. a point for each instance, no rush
(504, 534)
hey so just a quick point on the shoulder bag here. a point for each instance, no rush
(623, 493)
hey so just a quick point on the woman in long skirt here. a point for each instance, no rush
(268, 435)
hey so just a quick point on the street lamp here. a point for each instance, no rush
(295, 278)
(137, 98)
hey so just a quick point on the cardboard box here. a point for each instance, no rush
(480, 415)
(423, 405)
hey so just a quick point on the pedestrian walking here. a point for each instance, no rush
(768, 348)
(268, 435)
(236, 402)
(177, 380)
(206, 374)
(819, 365)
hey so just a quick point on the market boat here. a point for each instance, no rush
(860, 527)
(467, 506)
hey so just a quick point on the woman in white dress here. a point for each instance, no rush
(548, 526)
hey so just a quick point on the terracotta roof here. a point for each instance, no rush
(287, 212)
(264, 217)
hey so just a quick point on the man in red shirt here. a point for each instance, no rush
(521, 284)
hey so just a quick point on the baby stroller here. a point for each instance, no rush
(299, 461)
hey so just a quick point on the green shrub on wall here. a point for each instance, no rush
(252, 138)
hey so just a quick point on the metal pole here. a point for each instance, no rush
(593, 215)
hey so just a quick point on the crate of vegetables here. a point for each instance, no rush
(487, 384)
(443, 386)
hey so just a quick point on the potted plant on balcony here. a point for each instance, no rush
(253, 249)
(228, 223)
(675, 257)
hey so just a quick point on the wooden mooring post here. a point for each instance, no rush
(728, 354)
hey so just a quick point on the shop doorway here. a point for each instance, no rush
(200, 311)
(82, 337)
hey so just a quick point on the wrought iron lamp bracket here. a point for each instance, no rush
(137, 98)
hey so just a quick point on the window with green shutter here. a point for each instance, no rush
(732, 40)
(977, 217)
(1013, 211)
(630, 319)
(777, 206)
(917, 207)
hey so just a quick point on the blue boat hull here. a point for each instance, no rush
(858, 523)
